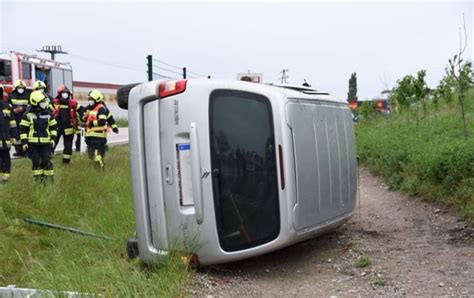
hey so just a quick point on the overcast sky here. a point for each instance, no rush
(322, 42)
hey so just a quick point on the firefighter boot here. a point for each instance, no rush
(66, 159)
(98, 159)
(5, 177)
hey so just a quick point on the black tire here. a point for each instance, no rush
(122, 95)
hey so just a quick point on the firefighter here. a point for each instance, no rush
(65, 112)
(41, 86)
(8, 132)
(18, 100)
(97, 117)
(38, 133)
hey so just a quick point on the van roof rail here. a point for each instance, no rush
(303, 89)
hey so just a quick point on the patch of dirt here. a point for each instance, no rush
(415, 248)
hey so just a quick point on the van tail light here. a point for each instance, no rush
(282, 169)
(169, 88)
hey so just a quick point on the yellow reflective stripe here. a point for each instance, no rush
(67, 156)
(96, 134)
(45, 140)
(69, 131)
(23, 136)
(19, 101)
(114, 125)
(52, 122)
(6, 175)
(13, 123)
(48, 172)
(64, 106)
(37, 172)
(100, 128)
(6, 112)
(25, 122)
(54, 133)
(102, 117)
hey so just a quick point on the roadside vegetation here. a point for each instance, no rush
(121, 122)
(88, 199)
(425, 147)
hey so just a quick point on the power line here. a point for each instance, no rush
(162, 76)
(166, 63)
(169, 70)
(198, 74)
(176, 67)
(108, 63)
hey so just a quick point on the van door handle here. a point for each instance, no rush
(169, 174)
(196, 172)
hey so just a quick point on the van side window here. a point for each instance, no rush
(26, 71)
(245, 184)
(5, 71)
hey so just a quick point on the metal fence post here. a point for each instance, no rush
(150, 67)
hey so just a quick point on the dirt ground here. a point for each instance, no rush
(414, 247)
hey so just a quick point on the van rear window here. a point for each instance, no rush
(244, 169)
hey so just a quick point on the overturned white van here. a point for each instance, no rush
(232, 170)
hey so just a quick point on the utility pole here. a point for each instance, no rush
(184, 72)
(53, 50)
(149, 65)
(284, 76)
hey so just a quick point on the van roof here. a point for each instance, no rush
(290, 91)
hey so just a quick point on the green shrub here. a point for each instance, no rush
(432, 159)
(363, 261)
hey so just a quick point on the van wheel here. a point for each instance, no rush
(132, 248)
(122, 95)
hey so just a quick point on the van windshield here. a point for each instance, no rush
(244, 169)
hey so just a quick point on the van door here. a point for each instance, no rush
(325, 163)
(244, 174)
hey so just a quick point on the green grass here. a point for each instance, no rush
(431, 159)
(363, 261)
(84, 198)
(121, 122)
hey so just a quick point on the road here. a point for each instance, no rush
(415, 248)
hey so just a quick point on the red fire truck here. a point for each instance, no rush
(29, 68)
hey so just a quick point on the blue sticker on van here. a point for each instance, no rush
(183, 147)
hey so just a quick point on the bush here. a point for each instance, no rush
(432, 159)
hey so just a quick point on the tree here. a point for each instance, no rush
(404, 93)
(420, 92)
(460, 74)
(352, 94)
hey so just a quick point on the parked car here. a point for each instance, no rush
(232, 170)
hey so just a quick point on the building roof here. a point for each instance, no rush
(93, 85)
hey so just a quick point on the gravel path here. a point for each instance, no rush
(414, 247)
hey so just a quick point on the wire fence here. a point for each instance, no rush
(163, 69)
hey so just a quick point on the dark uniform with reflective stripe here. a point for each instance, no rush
(66, 113)
(8, 132)
(37, 129)
(19, 103)
(96, 118)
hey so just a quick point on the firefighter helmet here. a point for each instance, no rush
(63, 88)
(96, 96)
(36, 97)
(39, 85)
(18, 84)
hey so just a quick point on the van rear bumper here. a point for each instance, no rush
(209, 256)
